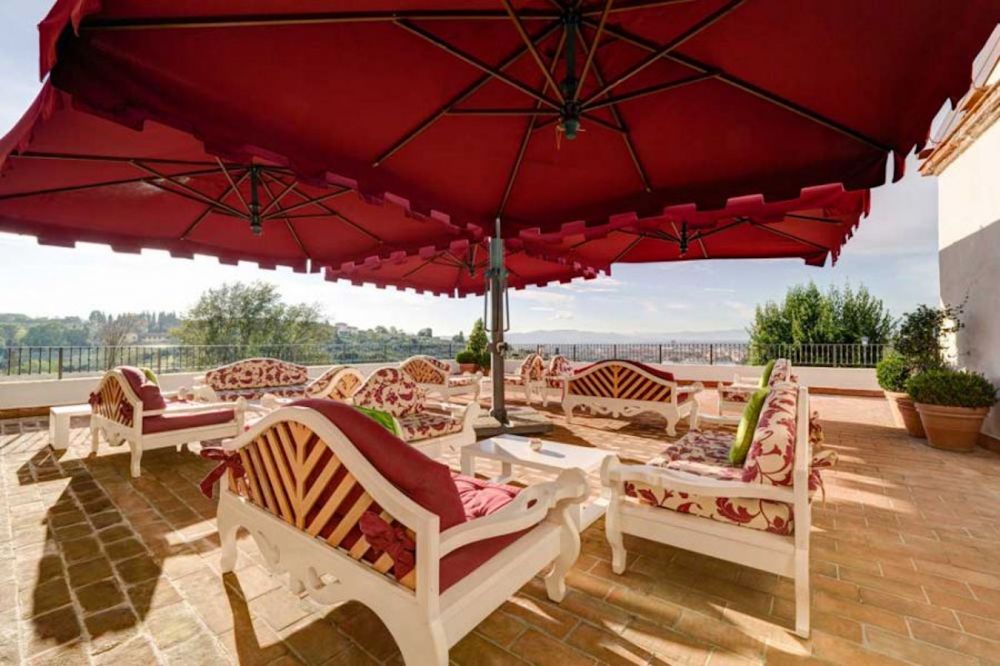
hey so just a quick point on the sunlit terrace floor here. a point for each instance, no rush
(96, 567)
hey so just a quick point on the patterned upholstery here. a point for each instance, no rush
(620, 379)
(770, 460)
(558, 370)
(462, 380)
(344, 389)
(391, 390)
(425, 425)
(252, 378)
(426, 369)
(532, 369)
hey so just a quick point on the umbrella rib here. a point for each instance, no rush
(288, 222)
(523, 147)
(91, 186)
(37, 155)
(649, 4)
(458, 99)
(331, 211)
(785, 234)
(515, 19)
(502, 112)
(192, 22)
(652, 90)
(813, 218)
(663, 50)
(232, 183)
(276, 200)
(208, 209)
(196, 194)
(735, 223)
(307, 201)
(593, 51)
(628, 248)
(626, 135)
(475, 62)
(757, 91)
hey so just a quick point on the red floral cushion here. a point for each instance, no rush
(391, 390)
(425, 425)
(772, 452)
(257, 373)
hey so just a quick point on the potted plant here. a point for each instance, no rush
(478, 345)
(468, 362)
(952, 405)
(892, 372)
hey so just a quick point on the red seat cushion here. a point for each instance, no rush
(148, 392)
(479, 499)
(169, 422)
(425, 481)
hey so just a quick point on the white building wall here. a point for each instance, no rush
(969, 254)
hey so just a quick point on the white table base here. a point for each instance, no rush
(59, 422)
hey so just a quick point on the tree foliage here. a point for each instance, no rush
(810, 316)
(251, 316)
(921, 336)
(478, 343)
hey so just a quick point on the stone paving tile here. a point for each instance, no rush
(100, 568)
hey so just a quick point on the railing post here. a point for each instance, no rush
(159, 360)
(659, 353)
(60, 361)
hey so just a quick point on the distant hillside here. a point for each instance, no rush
(571, 336)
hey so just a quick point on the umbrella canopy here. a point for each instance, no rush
(68, 176)
(460, 270)
(539, 112)
(811, 227)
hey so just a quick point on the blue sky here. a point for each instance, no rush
(894, 253)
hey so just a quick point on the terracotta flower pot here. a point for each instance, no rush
(952, 428)
(907, 414)
(467, 368)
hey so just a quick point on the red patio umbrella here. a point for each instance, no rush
(460, 269)
(539, 112)
(68, 176)
(811, 227)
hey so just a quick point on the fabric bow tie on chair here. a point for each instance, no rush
(227, 460)
(392, 540)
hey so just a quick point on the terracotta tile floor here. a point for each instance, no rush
(98, 568)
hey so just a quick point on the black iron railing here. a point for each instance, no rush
(61, 361)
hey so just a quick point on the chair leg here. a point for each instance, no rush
(420, 642)
(569, 551)
(802, 599)
(95, 439)
(228, 528)
(136, 448)
(671, 428)
(613, 533)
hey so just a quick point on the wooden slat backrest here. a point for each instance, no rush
(423, 370)
(293, 474)
(111, 402)
(616, 380)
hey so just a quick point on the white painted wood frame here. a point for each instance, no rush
(783, 555)
(424, 622)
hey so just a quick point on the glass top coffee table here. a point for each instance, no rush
(512, 450)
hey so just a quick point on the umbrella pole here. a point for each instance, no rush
(496, 284)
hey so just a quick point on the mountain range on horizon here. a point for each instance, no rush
(573, 336)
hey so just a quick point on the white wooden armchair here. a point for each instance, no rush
(128, 408)
(382, 524)
(757, 515)
(557, 372)
(434, 376)
(529, 377)
(425, 424)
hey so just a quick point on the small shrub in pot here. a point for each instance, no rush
(892, 372)
(952, 405)
(467, 360)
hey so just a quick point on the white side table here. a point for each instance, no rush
(512, 450)
(59, 418)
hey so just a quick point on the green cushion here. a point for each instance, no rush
(384, 419)
(151, 376)
(748, 424)
(765, 376)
